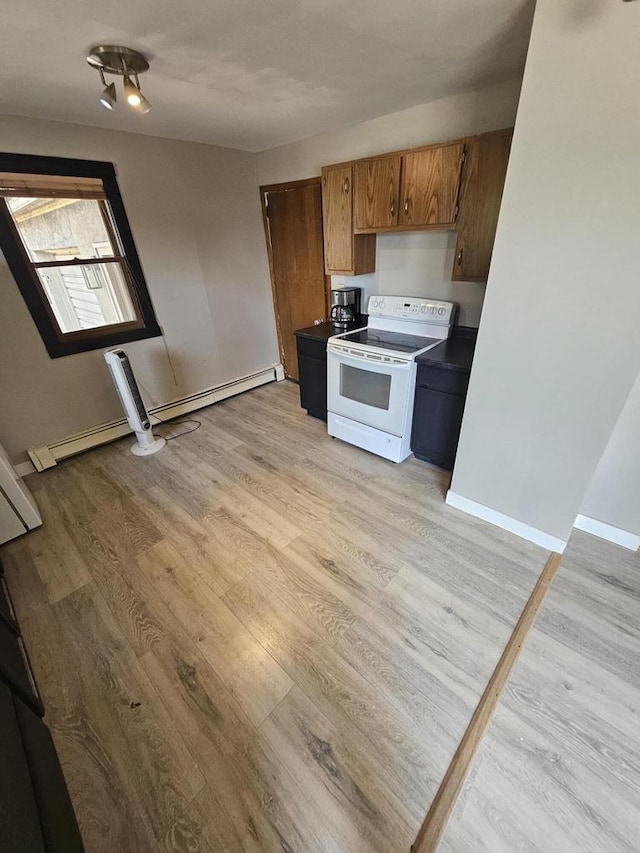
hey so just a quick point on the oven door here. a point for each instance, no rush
(367, 390)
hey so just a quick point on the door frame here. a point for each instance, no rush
(283, 187)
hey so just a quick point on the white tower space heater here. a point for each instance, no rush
(132, 403)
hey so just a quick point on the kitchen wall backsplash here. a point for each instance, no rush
(419, 263)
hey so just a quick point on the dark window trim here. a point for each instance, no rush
(21, 270)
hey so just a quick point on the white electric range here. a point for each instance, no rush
(371, 372)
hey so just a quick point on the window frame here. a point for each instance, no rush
(60, 343)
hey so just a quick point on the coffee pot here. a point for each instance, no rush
(345, 306)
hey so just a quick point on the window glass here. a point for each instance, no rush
(52, 226)
(87, 296)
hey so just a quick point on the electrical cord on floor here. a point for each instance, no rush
(170, 422)
(198, 424)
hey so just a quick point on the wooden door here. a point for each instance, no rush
(377, 192)
(483, 177)
(430, 183)
(337, 207)
(293, 225)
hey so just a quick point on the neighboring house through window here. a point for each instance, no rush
(66, 238)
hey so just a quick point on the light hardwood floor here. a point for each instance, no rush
(559, 769)
(259, 639)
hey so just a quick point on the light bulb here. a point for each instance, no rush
(132, 93)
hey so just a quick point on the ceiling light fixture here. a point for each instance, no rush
(126, 63)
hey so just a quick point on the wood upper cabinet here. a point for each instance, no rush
(377, 192)
(430, 184)
(344, 251)
(455, 185)
(480, 196)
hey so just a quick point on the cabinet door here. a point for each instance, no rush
(343, 252)
(430, 183)
(337, 211)
(483, 177)
(377, 189)
(437, 420)
(313, 385)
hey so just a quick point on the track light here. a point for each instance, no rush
(127, 63)
(108, 98)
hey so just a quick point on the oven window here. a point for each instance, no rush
(365, 386)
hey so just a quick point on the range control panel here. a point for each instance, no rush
(411, 308)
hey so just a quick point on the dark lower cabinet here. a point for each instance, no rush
(312, 373)
(437, 414)
(20, 828)
(15, 669)
(437, 419)
(56, 815)
(313, 386)
(35, 809)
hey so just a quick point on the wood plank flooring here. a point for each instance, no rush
(431, 831)
(259, 639)
(560, 767)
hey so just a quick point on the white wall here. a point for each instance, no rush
(419, 263)
(195, 216)
(614, 492)
(407, 264)
(559, 350)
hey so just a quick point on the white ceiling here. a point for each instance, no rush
(253, 74)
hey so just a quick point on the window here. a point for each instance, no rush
(66, 238)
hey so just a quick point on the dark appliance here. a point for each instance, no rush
(345, 306)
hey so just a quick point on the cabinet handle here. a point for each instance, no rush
(392, 209)
(459, 258)
(406, 205)
(346, 185)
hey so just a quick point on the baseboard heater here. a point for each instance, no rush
(49, 454)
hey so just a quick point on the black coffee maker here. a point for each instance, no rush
(345, 306)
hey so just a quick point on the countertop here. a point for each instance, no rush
(456, 353)
(325, 330)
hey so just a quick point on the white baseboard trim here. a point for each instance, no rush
(608, 532)
(24, 468)
(532, 534)
(48, 455)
